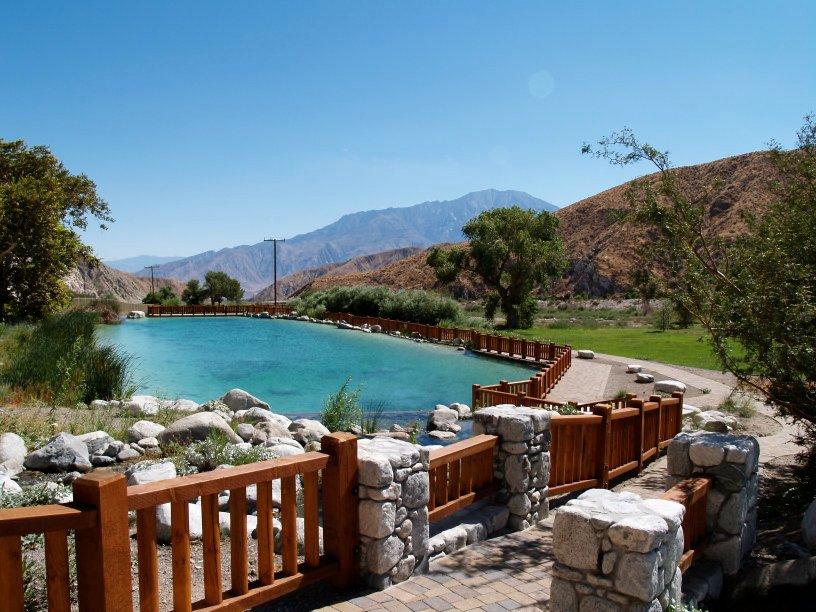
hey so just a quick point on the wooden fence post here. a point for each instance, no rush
(678, 419)
(340, 503)
(103, 551)
(661, 426)
(605, 443)
(639, 428)
(474, 396)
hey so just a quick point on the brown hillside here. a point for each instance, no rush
(599, 245)
(101, 280)
(291, 283)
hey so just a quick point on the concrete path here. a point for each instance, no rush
(584, 381)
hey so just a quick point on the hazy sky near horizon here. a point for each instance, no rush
(213, 124)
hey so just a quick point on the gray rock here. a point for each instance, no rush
(644, 378)
(198, 426)
(382, 555)
(442, 435)
(256, 415)
(308, 430)
(13, 452)
(163, 518)
(62, 453)
(639, 533)
(7, 485)
(102, 460)
(245, 431)
(586, 354)
(146, 443)
(415, 490)
(284, 450)
(267, 430)
(670, 386)
(634, 368)
(706, 452)
(142, 473)
(184, 405)
(443, 419)
(714, 421)
(143, 405)
(238, 399)
(128, 453)
(96, 441)
(574, 541)
(463, 410)
(144, 429)
(638, 576)
(376, 518)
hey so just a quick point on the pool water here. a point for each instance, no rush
(294, 365)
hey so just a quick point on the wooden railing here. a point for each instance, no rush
(693, 494)
(589, 450)
(156, 310)
(99, 519)
(460, 474)
(555, 358)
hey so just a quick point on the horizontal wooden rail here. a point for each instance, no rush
(160, 310)
(43, 519)
(460, 474)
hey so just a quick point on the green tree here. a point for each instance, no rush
(42, 208)
(165, 296)
(193, 293)
(756, 293)
(219, 286)
(513, 251)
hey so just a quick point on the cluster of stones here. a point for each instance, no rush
(443, 420)
(522, 460)
(616, 551)
(731, 462)
(393, 510)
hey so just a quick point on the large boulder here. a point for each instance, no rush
(144, 429)
(238, 399)
(143, 405)
(586, 354)
(163, 523)
(284, 447)
(463, 410)
(267, 430)
(13, 452)
(142, 473)
(644, 378)
(670, 386)
(184, 405)
(714, 420)
(62, 453)
(198, 426)
(443, 419)
(96, 441)
(256, 415)
(308, 430)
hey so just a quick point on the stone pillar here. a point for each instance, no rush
(731, 462)
(521, 463)
(616, 551)
(394, 493)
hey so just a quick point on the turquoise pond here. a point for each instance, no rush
(294, 365)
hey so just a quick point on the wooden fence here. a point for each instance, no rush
(460, 474)
(693, 494)
(99, 518)
(155, 310)
(589, 450)
(555, 358)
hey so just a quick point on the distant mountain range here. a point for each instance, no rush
(101, 280)
(138, 263)
(356, 234)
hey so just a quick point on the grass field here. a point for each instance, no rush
(686, 347)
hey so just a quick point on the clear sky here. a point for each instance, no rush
(212, 124)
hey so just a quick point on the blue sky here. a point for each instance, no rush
(212, 124)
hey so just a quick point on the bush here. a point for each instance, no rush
(405, 305)
(59, 360)
(342, 410)
(216, 450)
(107, 307)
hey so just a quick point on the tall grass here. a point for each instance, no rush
(406, 305)
(342, 409)
(59, 360)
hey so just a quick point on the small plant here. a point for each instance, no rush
(217, 450)
(681, 607)
(412, 428)
(621, 394)
(742, 407)
(372, 415)
(342, 409)
(705, 391)
(568, 408)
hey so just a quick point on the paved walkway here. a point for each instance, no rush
(509, 572)
(584, 381)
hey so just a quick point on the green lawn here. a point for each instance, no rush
(686, 347)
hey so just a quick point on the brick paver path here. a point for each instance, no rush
(509, 572)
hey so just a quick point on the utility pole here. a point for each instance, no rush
(274, 242)
(152, 284)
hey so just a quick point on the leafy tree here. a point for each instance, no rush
(219, 286)
(193, 293)
(512, 250)
(165, 296)
(756, 293)
(644, 282)
(42, 207)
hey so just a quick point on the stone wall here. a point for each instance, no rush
(522, 459)
(731, 462)
(616, 551)
(393, 491)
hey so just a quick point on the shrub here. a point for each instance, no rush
(342, 409)
(371, 417)
(406, 305)
(59, 360)
(217, 450)
(742, 407)
(106, 307)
